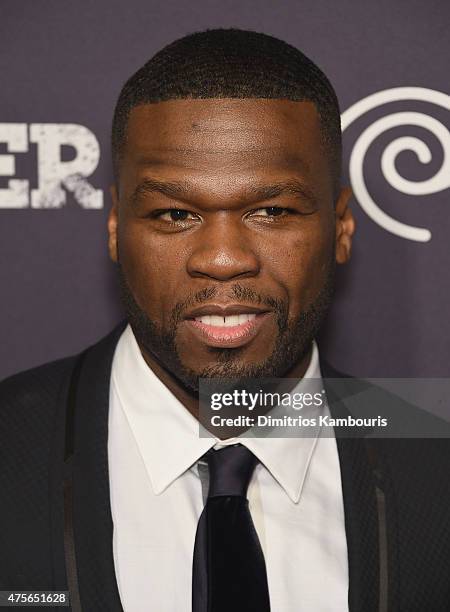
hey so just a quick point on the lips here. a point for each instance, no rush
(226, 326)
(224, 310)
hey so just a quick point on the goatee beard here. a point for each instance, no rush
(293, 341)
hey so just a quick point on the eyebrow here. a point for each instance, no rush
(171, 190)
(181, 190)
(294, 187)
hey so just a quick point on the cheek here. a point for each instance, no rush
(152, 270)
(300, 264)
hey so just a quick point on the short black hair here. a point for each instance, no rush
(231, 63)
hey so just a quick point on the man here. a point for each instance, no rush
(227, 221)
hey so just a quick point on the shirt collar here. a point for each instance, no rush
(167, 435)
(286, 458)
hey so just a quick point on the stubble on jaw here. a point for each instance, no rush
(292, 344)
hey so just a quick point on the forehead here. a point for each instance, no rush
(225, 137)
(223, 125)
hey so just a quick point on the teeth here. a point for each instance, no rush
(216, 320)
(229, 321)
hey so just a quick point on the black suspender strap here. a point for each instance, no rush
(69, 542)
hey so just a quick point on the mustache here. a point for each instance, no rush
(236, 291)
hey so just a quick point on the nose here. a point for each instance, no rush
(223, 252)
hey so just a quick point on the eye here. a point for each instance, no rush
(270, 211)
(176, 214)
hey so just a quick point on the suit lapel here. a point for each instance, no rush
(92, 520)
(360, 507)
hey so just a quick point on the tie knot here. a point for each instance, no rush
(230, 470)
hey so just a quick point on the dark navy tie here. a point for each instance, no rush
(229, 571)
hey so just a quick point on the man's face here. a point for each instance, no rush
(226, 233)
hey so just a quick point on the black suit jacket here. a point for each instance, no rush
(55, 514)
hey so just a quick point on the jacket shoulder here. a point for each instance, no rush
(36, 385)
(29, 404)
(36, 390)
(33, 408)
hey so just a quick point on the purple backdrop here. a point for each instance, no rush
(64, 63)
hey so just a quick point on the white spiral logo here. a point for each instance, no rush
(439, 182)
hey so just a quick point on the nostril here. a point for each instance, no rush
(223, 264)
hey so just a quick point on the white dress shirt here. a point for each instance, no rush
(295, 499)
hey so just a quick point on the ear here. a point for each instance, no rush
(112, 225)
(345, 226)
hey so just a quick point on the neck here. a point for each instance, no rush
(190, 399)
